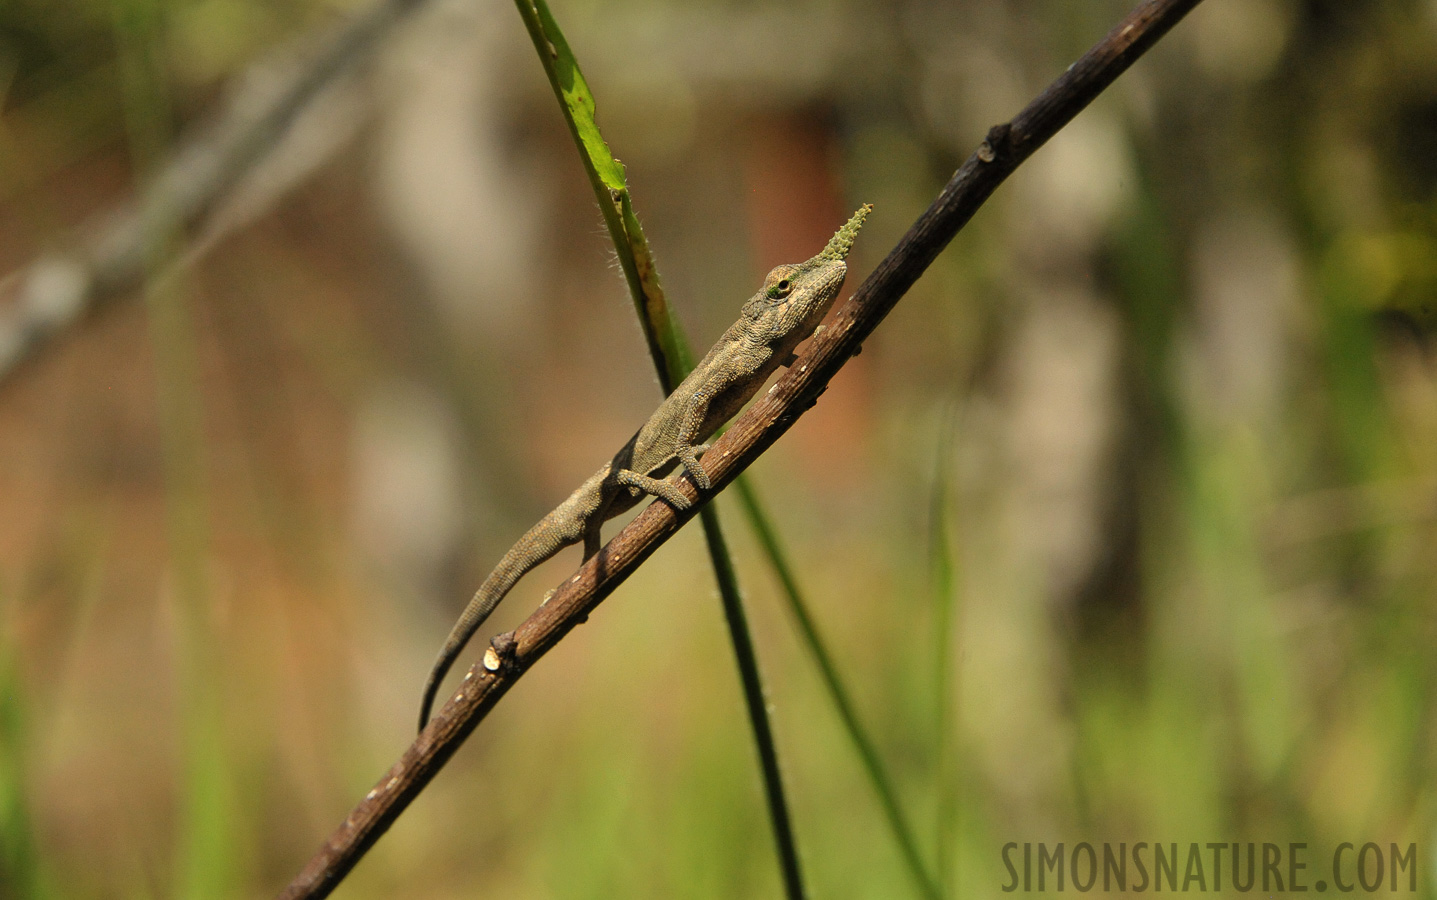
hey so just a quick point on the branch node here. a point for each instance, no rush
(502, 650)
(995, 143)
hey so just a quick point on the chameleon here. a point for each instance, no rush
(782, 314)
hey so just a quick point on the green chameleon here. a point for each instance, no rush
(784, 312)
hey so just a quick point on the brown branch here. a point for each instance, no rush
(513, 653)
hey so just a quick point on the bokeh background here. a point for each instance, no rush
(1123, 527)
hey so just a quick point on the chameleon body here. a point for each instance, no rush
(784, 312)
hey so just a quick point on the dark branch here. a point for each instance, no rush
(512, 654)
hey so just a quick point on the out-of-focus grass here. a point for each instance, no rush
(22, 867)
(944, 577)
(208, 858)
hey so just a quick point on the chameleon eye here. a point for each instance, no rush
(780, 290)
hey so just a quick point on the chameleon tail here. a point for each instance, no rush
(542, 542)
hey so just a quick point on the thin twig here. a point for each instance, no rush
(43, 299)
(513, 653)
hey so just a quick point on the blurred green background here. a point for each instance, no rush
(1122, 528)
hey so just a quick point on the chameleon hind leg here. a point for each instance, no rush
(665, 490)
(689, 456)
(592, 539)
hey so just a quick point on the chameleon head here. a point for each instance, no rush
(795, 298)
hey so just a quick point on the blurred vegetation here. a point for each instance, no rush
(1179, 379)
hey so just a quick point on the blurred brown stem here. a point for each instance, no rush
(513, 653)
(112, 254)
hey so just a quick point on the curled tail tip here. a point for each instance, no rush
(431, 690)
(425, 706)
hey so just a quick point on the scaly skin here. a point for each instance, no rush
(784, 312)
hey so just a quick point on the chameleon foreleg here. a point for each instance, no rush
(690, 427)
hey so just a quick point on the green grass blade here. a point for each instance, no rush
(756, 700)
(838, 694)
(942, 570)
(606, 174)
(672, 360)
(22, 874)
